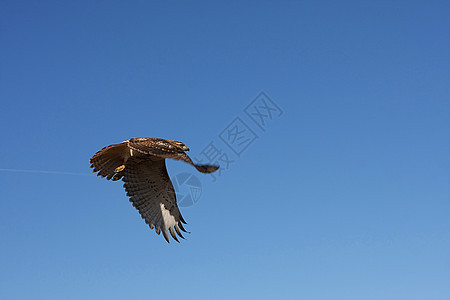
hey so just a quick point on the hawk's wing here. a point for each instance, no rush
(108, 159)
(150, 190)
(164, 149)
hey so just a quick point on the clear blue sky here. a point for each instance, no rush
(346, 195)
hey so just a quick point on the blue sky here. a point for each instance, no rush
(345, 195)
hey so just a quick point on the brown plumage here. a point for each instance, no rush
(140, 163)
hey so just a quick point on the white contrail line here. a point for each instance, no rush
(44, 172)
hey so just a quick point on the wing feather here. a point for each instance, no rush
(148, 185)
(172, 233)
(108, 159)
(177, 229)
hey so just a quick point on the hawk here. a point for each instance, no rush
(140, 163)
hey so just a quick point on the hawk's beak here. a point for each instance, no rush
(185, 148)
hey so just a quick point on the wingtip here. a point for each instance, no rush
(166, 235)
(172, 233)
(177, 229)
(180, 224)
(182, 219)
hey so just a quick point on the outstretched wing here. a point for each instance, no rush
(151, 192)
(164, 149)
(108, 159)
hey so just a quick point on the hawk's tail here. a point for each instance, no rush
(206, 168)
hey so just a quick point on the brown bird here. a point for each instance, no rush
(140, 163)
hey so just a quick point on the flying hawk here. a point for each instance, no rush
(140, 163)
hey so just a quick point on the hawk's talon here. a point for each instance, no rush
(119, 169)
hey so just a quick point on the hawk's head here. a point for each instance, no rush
(180, 145)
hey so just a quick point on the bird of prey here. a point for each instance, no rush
(140, 163)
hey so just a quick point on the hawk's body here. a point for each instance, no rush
(140, 163)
